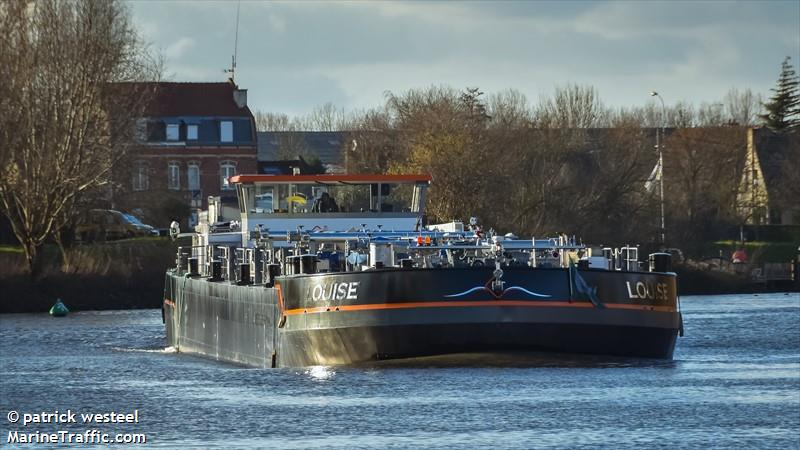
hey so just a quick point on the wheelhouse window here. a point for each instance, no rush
(226, 131)
(227, 169)
(302, 198)
(261, 199)
(174, 175)
(193, 176)
(173, 132)
(141, 176)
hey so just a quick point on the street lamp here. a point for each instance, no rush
(660, 149)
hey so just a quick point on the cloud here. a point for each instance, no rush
(277, 22)
(178, 48)
(294, 55)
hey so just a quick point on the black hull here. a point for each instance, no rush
(361, 344)
(401, 314)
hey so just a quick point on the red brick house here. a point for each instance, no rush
(193, 137)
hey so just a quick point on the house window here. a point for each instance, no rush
(226, 131)
(227, 169)
(141, 176)
(174, 176)
(173, 132)
(191, 132)
(193, 176)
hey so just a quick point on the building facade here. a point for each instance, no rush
(194, 136)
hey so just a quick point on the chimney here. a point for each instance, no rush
(240, 97)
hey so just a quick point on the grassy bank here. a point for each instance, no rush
(758, 251)
(122, 274)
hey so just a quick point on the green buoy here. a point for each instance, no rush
(59, 309)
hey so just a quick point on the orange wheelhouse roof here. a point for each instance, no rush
(331, 179)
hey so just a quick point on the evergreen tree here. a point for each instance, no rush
(783, 108)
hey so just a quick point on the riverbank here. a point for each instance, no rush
(767, 267)
(125, 274)
(693, 281)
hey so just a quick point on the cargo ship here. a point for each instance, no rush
(342, 269)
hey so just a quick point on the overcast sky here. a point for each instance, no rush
(293, 56)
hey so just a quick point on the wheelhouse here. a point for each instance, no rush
(331, 202)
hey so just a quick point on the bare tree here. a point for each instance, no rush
(703, 167)
(682, 115)
(372, 143)
(269, 121)
(572, 106)
(327, 118)
(633, 117)
(65, 121)
(509, 109)
(711, 115)
(651, 115)
(323, 118)
(742, 107)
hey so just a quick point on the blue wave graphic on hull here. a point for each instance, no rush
(484, 288)
(518, 288)
(476, 288)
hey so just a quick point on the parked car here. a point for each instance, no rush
(108, 225)
(151, 231)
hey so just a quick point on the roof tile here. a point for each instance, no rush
(194, 99)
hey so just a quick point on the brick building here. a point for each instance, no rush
(194, 136)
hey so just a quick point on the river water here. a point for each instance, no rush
(734, 382)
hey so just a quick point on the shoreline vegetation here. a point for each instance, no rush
(129, 274)
(124, 274)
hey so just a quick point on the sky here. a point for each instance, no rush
(295, 56)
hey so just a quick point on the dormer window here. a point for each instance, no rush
(226, 131)
(191, 132)
(173, 132)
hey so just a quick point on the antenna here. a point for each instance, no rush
(232, 70)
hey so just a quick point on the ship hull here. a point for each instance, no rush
(353, 344)
(332, 319)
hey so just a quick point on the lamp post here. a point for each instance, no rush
(660, 149)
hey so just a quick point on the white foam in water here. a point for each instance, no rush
(320, 372)
(169, 349)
